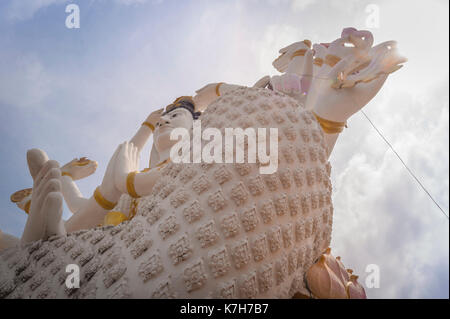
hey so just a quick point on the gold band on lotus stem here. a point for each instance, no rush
(130, 185)
(217, 88)
(149, 125)
(330, 127)
(103, 202)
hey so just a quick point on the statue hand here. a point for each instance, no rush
(352, 42)
(352, 83)
(127, 162)
(206, 95)
(80, 168)
(108, 186)
(263, 82)
(298, 77)
(296, 50)
(45, 217)
(288, 83)
(383, 59)
(153, 118)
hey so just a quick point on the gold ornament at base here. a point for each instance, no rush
(114, 218)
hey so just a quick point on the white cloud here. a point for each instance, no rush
(300, 5)
(25, 9)
(136, 2)
(24, 81)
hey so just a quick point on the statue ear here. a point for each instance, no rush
(154, 157)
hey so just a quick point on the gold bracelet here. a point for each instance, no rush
(217, 88)
(66, 174)
(332, 60)
(330, 127)
(149, 125)
(103, 202)
(300, 52)
(130, 185)
(27, 207)
(318, 62)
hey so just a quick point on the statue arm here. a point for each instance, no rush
(146, 129)
(91, 215)
(75, 170)
(72, 195)
(144, 182)
(103, 200)
(141, 136)
(211, 92)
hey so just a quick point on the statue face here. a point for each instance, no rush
(179, 117)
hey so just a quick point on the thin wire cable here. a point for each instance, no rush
(404, 164)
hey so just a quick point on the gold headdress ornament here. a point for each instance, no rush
(186, 102)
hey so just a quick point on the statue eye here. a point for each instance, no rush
(174, 115)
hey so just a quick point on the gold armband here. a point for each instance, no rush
(218, 87)
(332, 60)
(149, 125)
(300, 52)
(130, 185)
(66, 174)
(103, 202)
(330, 127)
(318, 62)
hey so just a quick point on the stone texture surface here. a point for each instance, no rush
(207, 230)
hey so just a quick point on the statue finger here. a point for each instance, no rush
(262, 83)
(307, 70)
(36, 159)
(52, 185)
(53, 173)
(339, 69)
(53, 208)
(43, 172)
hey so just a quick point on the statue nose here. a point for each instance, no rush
(163, 122)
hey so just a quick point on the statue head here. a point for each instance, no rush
(181, 113)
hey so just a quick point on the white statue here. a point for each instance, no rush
(217, 230)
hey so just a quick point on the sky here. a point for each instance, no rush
(81, 92)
